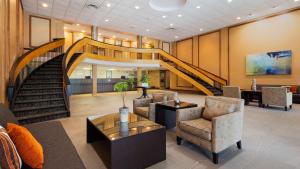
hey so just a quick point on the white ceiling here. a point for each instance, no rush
(122, 15)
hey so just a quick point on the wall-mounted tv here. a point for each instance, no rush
(271, 63)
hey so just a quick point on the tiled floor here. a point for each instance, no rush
(271, 137)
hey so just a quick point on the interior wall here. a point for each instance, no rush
(272, 34)
(57, 28)
(224, 52)
(154, 76)
(11, 40)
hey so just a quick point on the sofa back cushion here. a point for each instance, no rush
(6, 116)
(9, 157)
(158, 97)
(215, 108)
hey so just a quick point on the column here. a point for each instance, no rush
(94, 35)
(94, 76)
(139, 76)
(139, 45)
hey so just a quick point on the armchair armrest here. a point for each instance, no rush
(226, 130)
(145, 102)
(188, 114)
(152, 109)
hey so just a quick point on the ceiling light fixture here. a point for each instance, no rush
(164, 16)
(198, 7)
(179, 15)
(229, 1)
(238, 18)
(176, 37)
(148, 30)
(106, 20)
(108, 5)
(77, 24)
(201, 29)
(83, 31)
(171, 24)
(44, 5)
(137, 7)
(296, 0)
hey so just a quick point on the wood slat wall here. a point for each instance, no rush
(11, 39)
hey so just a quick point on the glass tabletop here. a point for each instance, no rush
(113, 129)
(180, 105)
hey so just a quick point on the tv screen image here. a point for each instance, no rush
(271, 63)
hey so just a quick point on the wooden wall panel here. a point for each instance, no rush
(11, 40)
(184, 50)
(209, 52)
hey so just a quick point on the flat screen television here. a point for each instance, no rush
(271, 63)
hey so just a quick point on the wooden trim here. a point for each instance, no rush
(30, 16)
(192, 58)
(220, 51)
(228, 55)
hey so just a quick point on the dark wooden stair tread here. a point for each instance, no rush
(36, 108)
(39, 94)
(41, 88)
(27, 117)
(37, 100)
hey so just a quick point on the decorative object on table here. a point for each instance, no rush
(145, 80)
(253, 86)
(165, 99)
(271, 63)
(177, 101)
(122, 87)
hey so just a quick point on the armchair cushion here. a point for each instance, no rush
(214, 108)
(158, 97)
(198, 127)
(143, 111)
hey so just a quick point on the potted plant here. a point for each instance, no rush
(122, 87)
(145, 80)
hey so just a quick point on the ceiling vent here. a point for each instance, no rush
(92, 6)
(170, 29)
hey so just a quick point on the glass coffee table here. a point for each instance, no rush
(165, 113)
(137, 144)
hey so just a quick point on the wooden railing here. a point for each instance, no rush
(165, 59)
(30, 60)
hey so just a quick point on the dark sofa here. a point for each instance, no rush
(59, 152)
(296, 96)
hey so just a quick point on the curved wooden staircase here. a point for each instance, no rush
(36, 84)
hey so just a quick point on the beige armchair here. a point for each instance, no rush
(277, 96)
(146, 106)
(215, 127)
(232, 91)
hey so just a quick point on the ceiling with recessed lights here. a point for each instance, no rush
(140, 17)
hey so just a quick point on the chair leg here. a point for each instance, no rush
(285, 108)
(179, 139)
(291, 106)
(239, 144)
(215, 158)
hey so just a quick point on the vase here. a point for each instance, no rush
(124, 111)
(124, 132)
(253, 86)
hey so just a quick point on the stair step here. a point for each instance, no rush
(41, 88)
(38, 94)
(38, 100)
(42, 117)
(41, 83)
(42, 77)
(36, 108)
(48, 73)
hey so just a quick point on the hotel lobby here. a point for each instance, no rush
(156, 84)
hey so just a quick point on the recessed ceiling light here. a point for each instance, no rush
(106, 20)
(198, 6)
(238, 18)
(201, 29)
(171, 24)
(275, 7)
(65, 27)
(108, 5)
(44, 5)
(137, 7)
(114, 36)
(229, 1)
(250, 14)
(83, 31)
(78, 24)
(176, 37)
(179, 15)
(164, 16)
(296, 0)
(148, 30)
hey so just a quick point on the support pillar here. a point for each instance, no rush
(139, 76)
(139, 45)
(94, 76)
(94, 35)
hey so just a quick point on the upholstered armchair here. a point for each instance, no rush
(277, 96)
(146, 106)
(232, 91)
(214, 127)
